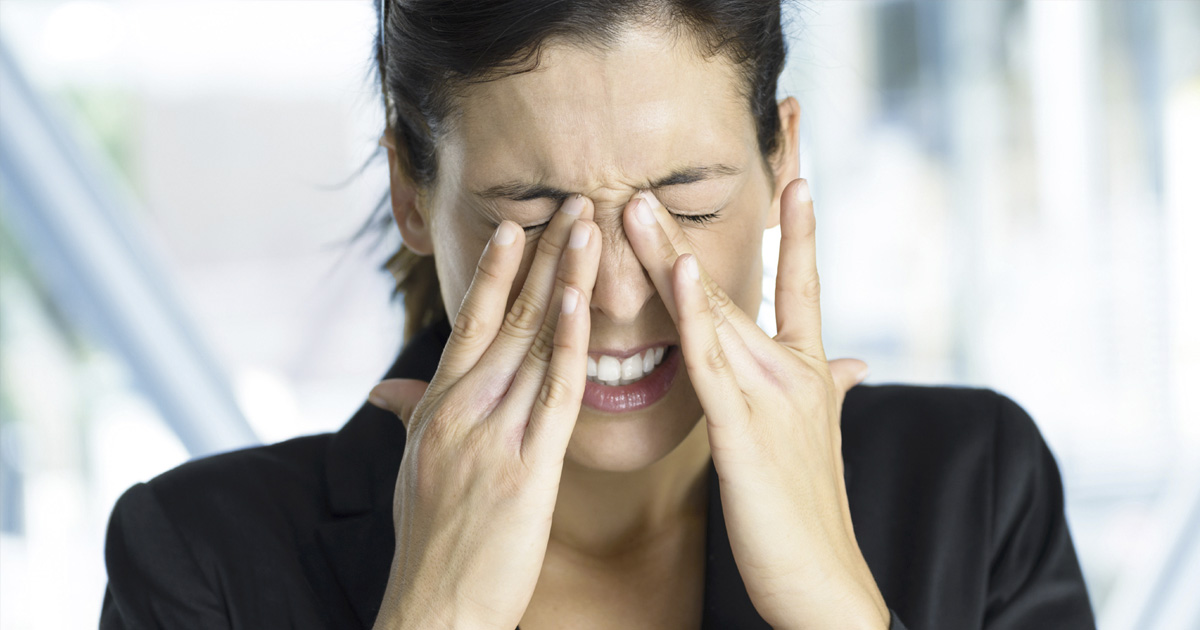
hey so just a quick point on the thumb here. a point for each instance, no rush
(399, 396)
(847, 373)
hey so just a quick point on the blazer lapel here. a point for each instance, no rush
(358, 552)
(727, 605)
(350, 554)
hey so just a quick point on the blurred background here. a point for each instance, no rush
(1008, 195)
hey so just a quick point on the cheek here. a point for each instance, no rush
(456, 252)
(457, 249)
(733, 258)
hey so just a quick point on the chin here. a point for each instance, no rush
(632, 441)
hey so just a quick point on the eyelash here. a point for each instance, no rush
(698, 219)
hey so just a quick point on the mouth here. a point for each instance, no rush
(613, 371)
(618, 384)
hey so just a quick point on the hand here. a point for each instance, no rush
(773, 411)
(479, 479)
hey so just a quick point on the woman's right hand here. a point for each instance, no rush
(479, 479)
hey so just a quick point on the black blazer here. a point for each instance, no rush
(957, 505)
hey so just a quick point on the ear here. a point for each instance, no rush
(786, 161)
(414, 228)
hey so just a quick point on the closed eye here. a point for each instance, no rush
(699, 219)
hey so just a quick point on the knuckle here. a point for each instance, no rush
(411, 415)
(718, 316)
(714, 357)
(523, 317)
(720, 299)
(439, 425)
(489, 270)
(665, 250)
(543, 345)
(433, 432)
(549, 248)
(556, 391)
(811, 289)
(468, 326)
(569, 269)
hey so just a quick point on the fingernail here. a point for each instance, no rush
(692, 269)
(580, 234)
(802, 191)
(505, 234)
(570, 300)
(643, 213)
(862, 376)
(573, 205)
(374, 399)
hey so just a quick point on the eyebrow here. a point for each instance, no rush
(521, 191)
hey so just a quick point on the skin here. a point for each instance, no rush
(626, 491)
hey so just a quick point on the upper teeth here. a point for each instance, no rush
(613, 371)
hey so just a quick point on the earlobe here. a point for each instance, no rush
(414, 229)
(787, 162)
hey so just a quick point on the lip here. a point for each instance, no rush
(625, 354)
(637, 395)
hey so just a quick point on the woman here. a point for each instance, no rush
(592, 431)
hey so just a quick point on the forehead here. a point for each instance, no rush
(590, 118)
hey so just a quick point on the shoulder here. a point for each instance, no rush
(959, 441)
(932, 469)
(176, 542)
(938, 422)
(250, 473)
(944, 457)
(228, 498)
(287, 475)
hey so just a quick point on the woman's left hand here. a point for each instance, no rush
(773, 409)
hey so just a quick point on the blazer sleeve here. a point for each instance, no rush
(154, 579)
(1034, 576)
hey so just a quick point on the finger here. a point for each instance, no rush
(483, 306)
(655, 246)
(847, 373)
(798, 288)
(525, 318)
(556, 409)
(658, 241)
(707, 360)
(580, 264)
(399, 396)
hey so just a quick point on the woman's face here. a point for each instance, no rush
(606, 125)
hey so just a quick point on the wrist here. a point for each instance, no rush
(400, 612)
(851, 606)
(394, 620)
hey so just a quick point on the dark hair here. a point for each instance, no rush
(436, 47)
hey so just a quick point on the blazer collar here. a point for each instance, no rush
(348, 562)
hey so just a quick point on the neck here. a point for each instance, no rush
(603, 515)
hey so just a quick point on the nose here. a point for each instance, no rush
(623, 287)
